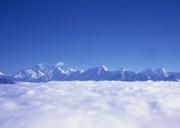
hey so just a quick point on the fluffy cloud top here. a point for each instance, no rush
(90, 105)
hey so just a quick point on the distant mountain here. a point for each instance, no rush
(43, 73)
(60, 72)
(123, 75)
(174, 76)
(98, 73)
(4, 79)
(152, 74)
(36, 73)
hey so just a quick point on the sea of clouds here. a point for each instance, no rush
(90, 105)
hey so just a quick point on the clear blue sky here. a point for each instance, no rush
(124, 33)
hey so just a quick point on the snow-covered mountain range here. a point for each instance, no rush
(61, 72)
(4, 79)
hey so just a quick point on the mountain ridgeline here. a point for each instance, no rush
(5, 79)
(60, 72)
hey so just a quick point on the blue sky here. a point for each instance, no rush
(87, 33)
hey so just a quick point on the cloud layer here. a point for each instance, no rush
(90, 105)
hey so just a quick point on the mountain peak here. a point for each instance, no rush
(161, 69)
(40, 65)
(103, 67)
(60, 64)
(2, 74)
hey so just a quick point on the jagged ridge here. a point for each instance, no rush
(60, 72)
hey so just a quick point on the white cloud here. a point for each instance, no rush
(90, 105)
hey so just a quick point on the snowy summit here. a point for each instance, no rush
(1, 74)
(61, 72)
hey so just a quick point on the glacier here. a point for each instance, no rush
(90, 104)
